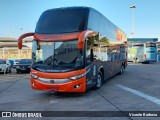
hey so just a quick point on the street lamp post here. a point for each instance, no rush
(132, 7)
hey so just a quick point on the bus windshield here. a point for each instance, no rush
(60, 21)
(57, 56)
(138, 45)
(150, 44)
(2, 62)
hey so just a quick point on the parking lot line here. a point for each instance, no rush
(7, 78)
(148, 97)
(14, 75)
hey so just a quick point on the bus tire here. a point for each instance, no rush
(121, 70)
(99, 81)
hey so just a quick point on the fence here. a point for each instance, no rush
(15, 53)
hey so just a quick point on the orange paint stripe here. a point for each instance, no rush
(82, 37)
(56, 37)
(20, 39)
(58, 75)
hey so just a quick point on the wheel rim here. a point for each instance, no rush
(99, 80)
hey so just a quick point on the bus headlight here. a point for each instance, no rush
(33, 76)
(77, 77)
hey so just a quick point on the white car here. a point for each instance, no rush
(16, 62)
(5, 66)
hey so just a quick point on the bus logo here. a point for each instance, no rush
(52, 81)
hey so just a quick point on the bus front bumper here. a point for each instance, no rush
(150, 60)
(78, 85)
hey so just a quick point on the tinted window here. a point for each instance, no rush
(17, 60)
(103, 25)
(158, 45)
(151, 51)
(57, 56)
(25, 61)
(94, 21)
(139, 45)
(150, 45)
(62, 21)
(2, 62)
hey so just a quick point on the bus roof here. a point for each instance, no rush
(77, 19)
(63, 20)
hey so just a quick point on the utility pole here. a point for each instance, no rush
(132, 7)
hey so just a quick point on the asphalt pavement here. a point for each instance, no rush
(137, 89)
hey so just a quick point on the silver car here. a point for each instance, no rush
(5, 66)
(16, 62)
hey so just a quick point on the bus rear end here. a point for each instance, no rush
(136, 52)
(150, 54)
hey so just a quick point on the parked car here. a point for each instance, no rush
(16, 62)
(5, 66)
(11, 61)
(24, 65)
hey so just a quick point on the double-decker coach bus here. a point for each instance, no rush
(74, 49)
(142, 52)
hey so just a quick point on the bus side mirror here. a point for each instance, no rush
(83, 36)
(20, 39)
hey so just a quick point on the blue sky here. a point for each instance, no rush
(21, 16)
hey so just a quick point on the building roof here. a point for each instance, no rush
(7, 39)
(12, 42)
(9, 44)
(142, 39)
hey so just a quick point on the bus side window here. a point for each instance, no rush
(109, 53)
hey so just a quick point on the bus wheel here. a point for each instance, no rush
(121, 70)
(99, 81)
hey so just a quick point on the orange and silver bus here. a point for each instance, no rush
(75, 49)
